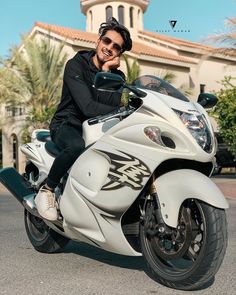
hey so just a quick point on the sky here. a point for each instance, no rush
(195, 19)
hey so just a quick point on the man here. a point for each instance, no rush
(80, 101)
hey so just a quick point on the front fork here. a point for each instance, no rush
(152, 216)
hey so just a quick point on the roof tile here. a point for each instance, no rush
(138, 47)
(143, 49)
(175, 41)
(69, 33)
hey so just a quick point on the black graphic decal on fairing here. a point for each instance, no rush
(125, 171)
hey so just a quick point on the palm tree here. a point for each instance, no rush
(228, 38)
(32, 77)
(133, 70)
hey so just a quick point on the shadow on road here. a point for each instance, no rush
(203, 287)
(103, 256)
(135, 263)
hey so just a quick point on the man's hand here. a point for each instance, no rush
(111, 64)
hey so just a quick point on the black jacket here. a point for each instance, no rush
(80, 100)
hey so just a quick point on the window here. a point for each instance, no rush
(202, 88)
(14, 111)
(14, 141)
(91, 19)
(121, 14)
(108, 12)
(139, 19)
(131, 17)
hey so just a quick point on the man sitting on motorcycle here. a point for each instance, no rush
(80, 101)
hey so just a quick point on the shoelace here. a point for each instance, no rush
(51, 202)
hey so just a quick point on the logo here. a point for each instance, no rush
(175, 28)
(125, 171)
(172, 23)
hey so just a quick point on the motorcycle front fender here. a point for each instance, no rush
(174, 187)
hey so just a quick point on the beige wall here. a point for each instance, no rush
(211, 71)
(158, 69)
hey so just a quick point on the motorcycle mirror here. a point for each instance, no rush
(107, 81)
(207, 100)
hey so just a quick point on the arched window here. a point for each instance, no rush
(14, 142)
(108, 12)
(91, 20)
(131, 17)
(121, 14)
(139, 18)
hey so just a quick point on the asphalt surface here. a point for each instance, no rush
(83, 269)
(227, 184)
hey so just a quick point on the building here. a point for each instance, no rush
(194, 64)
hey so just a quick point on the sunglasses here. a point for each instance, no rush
(107, 41)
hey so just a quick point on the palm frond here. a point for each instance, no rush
(166, 75)
(33, 76)
(132, 70)
(227, 39)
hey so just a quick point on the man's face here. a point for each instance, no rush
(109, 46)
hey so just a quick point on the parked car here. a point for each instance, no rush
(224, 158)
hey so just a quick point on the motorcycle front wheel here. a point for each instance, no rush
(188, 257)
(42, 237)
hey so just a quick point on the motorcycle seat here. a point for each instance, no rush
(43, 136)
(52, 148)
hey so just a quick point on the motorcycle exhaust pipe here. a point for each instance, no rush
(20, 188)
(15, 183)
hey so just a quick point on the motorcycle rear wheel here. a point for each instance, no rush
(189, 257)
(42, 237)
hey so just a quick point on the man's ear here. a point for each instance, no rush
(98, 40)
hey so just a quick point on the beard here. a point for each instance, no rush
(100, 60)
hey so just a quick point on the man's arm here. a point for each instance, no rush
(82, 95)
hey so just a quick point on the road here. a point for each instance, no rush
(227, 184)
(83, 269)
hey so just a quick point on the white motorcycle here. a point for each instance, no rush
(141, 187)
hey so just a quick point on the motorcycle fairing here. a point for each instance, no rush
(176, 186)
(94, 170)
(94, 212)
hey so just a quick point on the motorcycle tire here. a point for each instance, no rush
(193, 263)
(42, 237)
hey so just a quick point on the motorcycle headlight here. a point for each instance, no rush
(154, 133)
(198, 127)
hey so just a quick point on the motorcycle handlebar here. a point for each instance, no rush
(120, 112)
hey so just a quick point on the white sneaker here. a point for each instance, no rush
(46, 204)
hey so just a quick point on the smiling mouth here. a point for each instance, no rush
(106, 53)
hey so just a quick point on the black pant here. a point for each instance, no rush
(69, 139)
